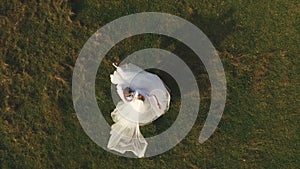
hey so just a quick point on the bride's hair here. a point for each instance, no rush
(128, 93)
(140, 97)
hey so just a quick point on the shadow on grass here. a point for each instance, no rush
(216, 28)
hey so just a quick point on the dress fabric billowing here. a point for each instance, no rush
(129, 115)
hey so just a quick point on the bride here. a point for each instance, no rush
(144, 98)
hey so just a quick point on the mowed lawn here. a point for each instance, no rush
(258, 43)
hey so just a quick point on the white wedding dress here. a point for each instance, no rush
(131, 112)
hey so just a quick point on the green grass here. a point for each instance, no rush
(258, 43)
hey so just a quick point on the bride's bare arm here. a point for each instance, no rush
(115, 64)
(156, 101)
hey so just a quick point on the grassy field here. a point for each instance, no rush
(258, 43)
